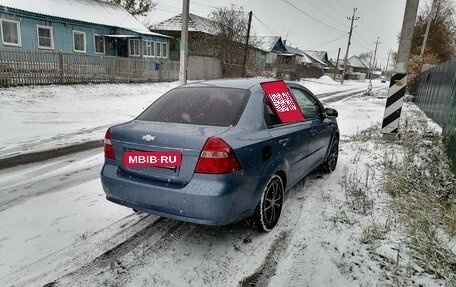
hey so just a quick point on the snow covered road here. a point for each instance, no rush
(56, 227)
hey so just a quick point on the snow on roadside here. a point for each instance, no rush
(45, 117)
(36, 118)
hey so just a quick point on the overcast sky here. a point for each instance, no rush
(381, 18)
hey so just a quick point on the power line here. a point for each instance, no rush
(362, 44)
(343, 4)
(324, 12)
(205, 5)
(330, 41)
(321, 22)
(334, 9)
(266, 26)
(365, 42)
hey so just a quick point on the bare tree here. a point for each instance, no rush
(230, 27)
(441, 44)
(136, 7)
(230, 22)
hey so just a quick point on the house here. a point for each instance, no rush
(85, 26)
(201, 35)
(269, 47)
(356, 64)
(322, 57)
(293, 56)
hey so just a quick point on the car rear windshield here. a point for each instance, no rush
(209, 106)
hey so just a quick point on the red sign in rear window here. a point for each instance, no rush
(282, 101)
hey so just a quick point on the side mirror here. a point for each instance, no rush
(331, 113)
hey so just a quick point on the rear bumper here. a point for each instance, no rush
(206, 199)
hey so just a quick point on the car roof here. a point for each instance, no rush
(240, 83)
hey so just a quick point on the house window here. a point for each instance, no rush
(134, 47)
(164, 50)
(157, 49)
(11, 33)
(45, 37)
(149, 49)
(99, 44)
(79, 41)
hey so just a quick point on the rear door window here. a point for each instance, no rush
(211, 106)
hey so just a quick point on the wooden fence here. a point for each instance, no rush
(36, 68)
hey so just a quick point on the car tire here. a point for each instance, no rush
(329, 165)
(267, 212)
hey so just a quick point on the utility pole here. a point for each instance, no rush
(353, 18)
(246, 51)
(375, 52)
(183, 69)
(428, 27)
(373, 64)
(370, 63)
(337, 65)
(398, 83)
(387, 62)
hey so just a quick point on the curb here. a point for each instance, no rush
(33, 157)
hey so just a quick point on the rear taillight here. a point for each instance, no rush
(108, 149)
(217, 157)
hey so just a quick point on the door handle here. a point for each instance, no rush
(313, 132)
(284, 141)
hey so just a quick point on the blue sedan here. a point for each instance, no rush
(235, 157)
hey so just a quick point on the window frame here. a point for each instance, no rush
(76, 32)
(95, 44)
(152, 46)
(130, 54)
(51, 33)
(19, 36)
(267, 104)
(158, 49)
(164, 49)
(311, 98)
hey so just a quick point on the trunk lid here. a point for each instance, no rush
(158, 136)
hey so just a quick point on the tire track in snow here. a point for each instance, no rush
(119, 264)
(267, 269)
(291, 213)
(300, 273)
(81, 253)
(109, 256)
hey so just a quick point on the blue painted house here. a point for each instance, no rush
(77, 26)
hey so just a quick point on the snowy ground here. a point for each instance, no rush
(40, 118)
(56, 226)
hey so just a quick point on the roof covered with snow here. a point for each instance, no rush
(357, 62)
(269, 43)
(320, 55)
(314, 59)
(195, 23)
(295, 51)
(90, 11)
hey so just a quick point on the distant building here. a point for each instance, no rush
(201, 35)
(270, 47)
(321, 56)
(357, 64)
(83, 26)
